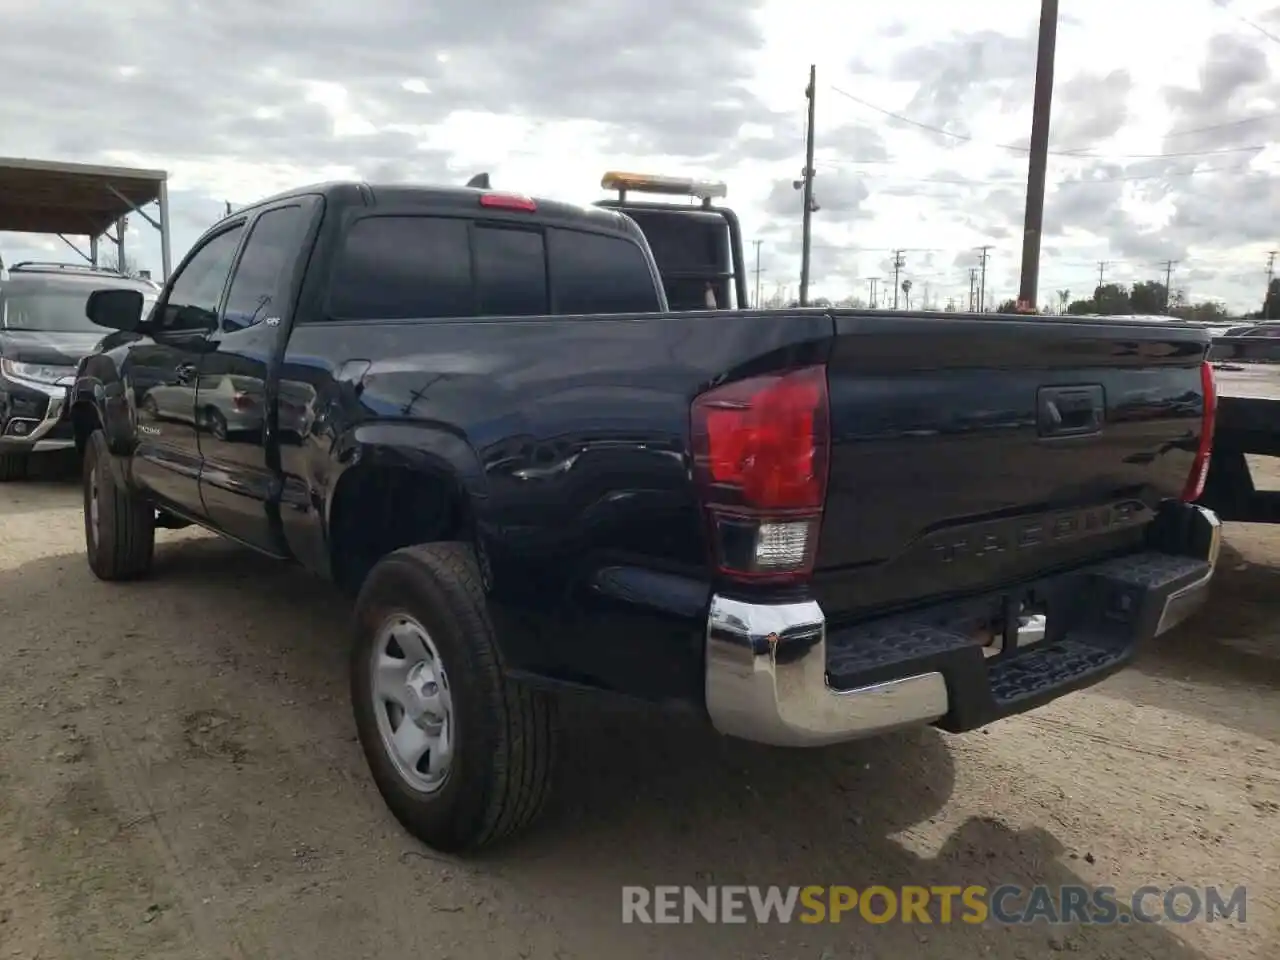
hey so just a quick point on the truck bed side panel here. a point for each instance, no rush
(580, 428)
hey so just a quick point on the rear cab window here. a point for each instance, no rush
(392, 267)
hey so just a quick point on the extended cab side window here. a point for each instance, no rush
(399, 268)
(196, 292)
(268, 254)
(597, 273)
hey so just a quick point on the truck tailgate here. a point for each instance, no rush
(970, 453)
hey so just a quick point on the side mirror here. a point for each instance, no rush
(115, 309)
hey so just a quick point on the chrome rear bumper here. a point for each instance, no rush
(766, 664)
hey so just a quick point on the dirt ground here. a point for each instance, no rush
(179, 778)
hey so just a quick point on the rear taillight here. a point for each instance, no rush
(760, 461)
(1200, 468)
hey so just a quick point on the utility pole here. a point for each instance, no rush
(982, 287)
(924, 305)
(1168, 278)
(898, 264)
(871, 296)
(1266, 297)
(1097, 293)
(973, 289)
(757, 243)
(811, 93)
(1038, 161)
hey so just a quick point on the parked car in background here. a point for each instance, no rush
(43, 334)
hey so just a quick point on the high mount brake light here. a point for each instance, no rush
(761, 450)
(1204, 450)
(508, 201)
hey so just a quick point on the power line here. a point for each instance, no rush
(1010, 181)
(1168, 279)
(1037, 168)
(1245, 20)
(982, 287)
(1266, 297)
(811, 94)
(1073, 153)
(758, 243)
(898, 264)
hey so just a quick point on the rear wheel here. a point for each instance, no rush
(13, 466)
(462, 756)
(119, 526)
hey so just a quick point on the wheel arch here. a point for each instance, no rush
(397, 485)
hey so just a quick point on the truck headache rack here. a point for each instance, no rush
(701, 267)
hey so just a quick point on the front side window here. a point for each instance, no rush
(197, 291)
(268, 254)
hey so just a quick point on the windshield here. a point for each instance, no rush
(53, 309)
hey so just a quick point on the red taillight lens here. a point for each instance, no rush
(1200, 468)
(760, 460)
(241, 401)
(508, 201)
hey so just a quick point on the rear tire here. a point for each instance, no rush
(13, 466)
(499, 737)
(119, 525)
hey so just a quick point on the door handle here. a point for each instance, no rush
(185, 372)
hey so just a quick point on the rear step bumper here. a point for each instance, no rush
(776, 674)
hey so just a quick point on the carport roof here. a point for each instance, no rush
(43, 196)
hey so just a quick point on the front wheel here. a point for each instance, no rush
(462, 756)
(119, 526)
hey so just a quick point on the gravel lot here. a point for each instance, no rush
(179, 777)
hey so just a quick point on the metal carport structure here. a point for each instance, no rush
(78, 199)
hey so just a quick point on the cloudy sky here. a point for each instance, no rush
(1166, 122)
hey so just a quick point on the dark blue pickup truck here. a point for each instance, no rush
(478, 413)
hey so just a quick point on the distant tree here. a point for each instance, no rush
(1148, 296)
(906, 292)
(1110, 299)
(110, 260)
(1206, 312)
(1271, 304)
(1008, 306)
(1064, 297)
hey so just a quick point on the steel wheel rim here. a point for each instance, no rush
(93, 504)
(412, 703)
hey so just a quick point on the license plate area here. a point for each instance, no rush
(1017, 622)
